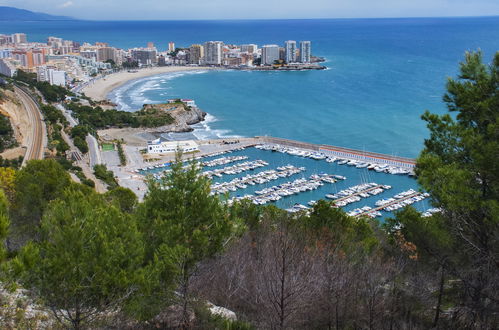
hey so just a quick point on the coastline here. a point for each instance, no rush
(99, 89)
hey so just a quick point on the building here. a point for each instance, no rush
(158, 147)
(19, 38)
(290, 49)
(6, 52)
(213, 52)
(249, 48)
(51, 75)
(24, 56)
(106, 54)
(5, 39)
(150, 44)
(89, 54)
(305, 51)
(145, 56)
(196, 54)
(54, 42)
(7, 67)
(161, 60)
(188, 102)
(270, 54)
(171, 47)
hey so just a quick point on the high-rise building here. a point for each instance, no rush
(150, 44)
(196, 53)
(305, 51)
(290, 47)
(213, 52)
(24, 56)
(270, 54)
(145, 56)
(5, 39)
(171, 47)
(249, 48)
(54, 42)
(19, 38)
(107, 53)
(7, 67)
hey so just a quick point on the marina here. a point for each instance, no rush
(347, 178)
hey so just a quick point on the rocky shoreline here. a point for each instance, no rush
(183, 117)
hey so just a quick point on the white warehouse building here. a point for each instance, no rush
(165, 147)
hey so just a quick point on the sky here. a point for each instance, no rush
(255, 9)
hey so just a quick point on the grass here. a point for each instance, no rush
(107, 147)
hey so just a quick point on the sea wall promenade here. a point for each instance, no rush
(333, 151)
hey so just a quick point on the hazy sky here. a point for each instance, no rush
(234, 9)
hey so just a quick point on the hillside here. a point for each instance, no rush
(16, 14)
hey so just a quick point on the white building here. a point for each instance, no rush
(290, 47)
(270, 54)
(213, 52)
(158, 147)
(188, 102)
(305, 51)
(19, 38)
(7, 67)
(51, 75)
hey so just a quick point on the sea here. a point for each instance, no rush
(382, 74)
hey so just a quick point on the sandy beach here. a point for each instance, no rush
(100, 88)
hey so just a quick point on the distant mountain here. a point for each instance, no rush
(16, 14)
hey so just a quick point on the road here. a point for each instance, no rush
(72, 122)
(36, 139)
(93, 151)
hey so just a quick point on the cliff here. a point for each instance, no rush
(183, 116)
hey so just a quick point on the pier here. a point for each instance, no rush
(359, 192)
(378, 208)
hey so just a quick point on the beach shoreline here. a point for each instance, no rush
(99, 89)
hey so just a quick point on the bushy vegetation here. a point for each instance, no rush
(121, 153)
(109, 261)
(55, 122)
(14, 163)
(79, 134)
(98, 118)
(7, 139)
(103, 174)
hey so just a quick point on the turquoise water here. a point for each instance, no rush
(354, 176)
(383, 74)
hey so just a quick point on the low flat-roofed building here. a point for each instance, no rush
(188, 102)
(166, 147)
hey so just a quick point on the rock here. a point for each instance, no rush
(184, 117)
(222, 311)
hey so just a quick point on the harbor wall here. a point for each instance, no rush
(340, 152)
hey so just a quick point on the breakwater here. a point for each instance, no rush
(332, 151)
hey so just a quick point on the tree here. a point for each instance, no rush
(459, 167)
(88, 261)
(179, 213)
(39, 182)
(4, 224)
(7, 182)
(123, 198)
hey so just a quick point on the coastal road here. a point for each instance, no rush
(93, 151)
(36, 137)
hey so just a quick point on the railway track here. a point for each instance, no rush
(35, 140)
